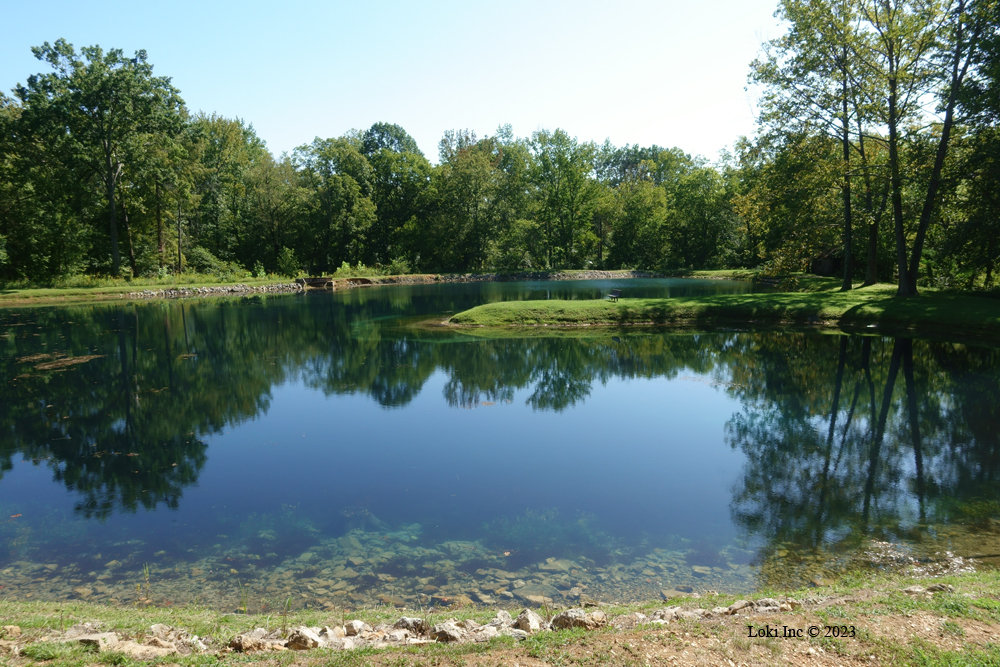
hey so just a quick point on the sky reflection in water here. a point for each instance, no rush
(285, 438)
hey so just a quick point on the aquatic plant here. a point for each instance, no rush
(244, 592)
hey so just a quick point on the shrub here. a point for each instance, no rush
(288, 265)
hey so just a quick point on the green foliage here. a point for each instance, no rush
(288, 265)
(161, 180)
(398, 267)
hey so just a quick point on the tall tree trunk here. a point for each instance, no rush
(848, 230)
(871, 269)
(110, 180)
(159, 226)
(958, 71)
(131, 248)
(903, 288)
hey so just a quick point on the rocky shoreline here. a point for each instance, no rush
(214, 290)
(163, 640)
(416, 279)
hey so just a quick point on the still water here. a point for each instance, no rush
(335, 449)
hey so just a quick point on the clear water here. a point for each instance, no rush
(336, 449)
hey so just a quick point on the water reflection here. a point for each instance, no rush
(839, 440)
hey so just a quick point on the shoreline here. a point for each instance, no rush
(54, 295)
(882, 618)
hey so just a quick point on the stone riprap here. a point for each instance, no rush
(163, 640)
(214, 290)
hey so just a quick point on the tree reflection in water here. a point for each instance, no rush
(845, 438)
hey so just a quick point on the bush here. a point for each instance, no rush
(203, 261)
(288, 265)
(359, 271)
(398, 267)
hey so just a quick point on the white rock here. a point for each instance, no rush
(354, 628)
(530, 622)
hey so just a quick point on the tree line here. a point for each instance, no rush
(877, 148)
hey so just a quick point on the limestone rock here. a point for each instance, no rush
(530, 622)
(10, 631)
(738, 605)
(354, 628)
(303, 639)
(141, 652)
(502, 619)
(507, 631)
(484, 634)
(398, 636)
(915, 590)
(330, 635)
(940, 588)
(767, 605)
(628, 621)
(103, 641)
(665, 615)
(250, 642)
(159, 642)
(417, 626)
(447, 632)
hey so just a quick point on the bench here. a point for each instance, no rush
(615, 293)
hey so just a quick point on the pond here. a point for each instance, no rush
(331, 450)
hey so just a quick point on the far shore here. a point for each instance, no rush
(204, 286)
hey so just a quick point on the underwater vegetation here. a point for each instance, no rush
(276, 534)
(361, 518)
(540, 534)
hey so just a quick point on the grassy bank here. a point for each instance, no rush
(876, 306)
(883, 623)
(105, 289)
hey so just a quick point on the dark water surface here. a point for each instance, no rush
(322, 447)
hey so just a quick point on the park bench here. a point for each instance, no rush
(615, 293)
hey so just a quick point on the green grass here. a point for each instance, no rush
(876, 593)
(107, 288)
(860, 309)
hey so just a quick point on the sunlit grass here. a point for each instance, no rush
(876, 308)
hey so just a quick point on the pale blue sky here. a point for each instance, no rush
(670, 73)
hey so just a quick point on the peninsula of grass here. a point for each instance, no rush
(932, 312)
